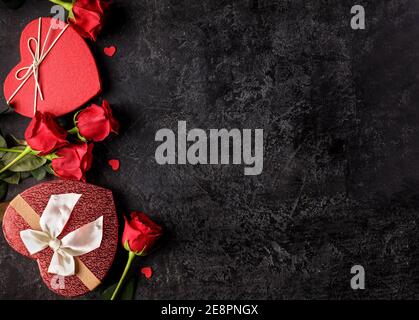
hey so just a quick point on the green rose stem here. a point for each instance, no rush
(11, 150)
(76, 131)
(73, 131)
(25, 152)
(131, 256)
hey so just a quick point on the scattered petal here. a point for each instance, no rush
(110, 51)
(114, 163)
(147, 272)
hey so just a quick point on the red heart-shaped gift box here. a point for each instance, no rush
(93, 203)
(68, 76)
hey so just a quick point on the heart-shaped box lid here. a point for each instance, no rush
(93, 203)
(68, 76)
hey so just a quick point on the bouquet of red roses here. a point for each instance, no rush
(50, 148)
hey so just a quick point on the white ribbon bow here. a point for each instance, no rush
(78, 242)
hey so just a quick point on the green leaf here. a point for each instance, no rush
(39, 174)
(3, 190)
(107, 293)
(10, 177)
(125, 293)
(25, 175)
(5, 174)
(28, 163)
(3, 144)
(14, 178)
(48, 169)
(128, 291)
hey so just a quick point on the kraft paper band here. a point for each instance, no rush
(85, 275)
(26, 212)
(32, 219)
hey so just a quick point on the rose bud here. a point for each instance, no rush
(44, 135)
(140, 233)
(96, 122)
(73, 161)
(86, 16)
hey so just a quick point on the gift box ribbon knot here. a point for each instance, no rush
(46, 229)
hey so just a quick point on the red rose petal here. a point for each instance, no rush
(147, 272)
(114, 163)
(110, 51)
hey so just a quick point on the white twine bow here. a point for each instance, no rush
(38, 56)
(78, 242)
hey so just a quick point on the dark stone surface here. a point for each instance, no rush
(339, 108)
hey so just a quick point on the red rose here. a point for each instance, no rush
(44, 135)
(140, 233)
(96, 123)
(73, 161)
(88, 17)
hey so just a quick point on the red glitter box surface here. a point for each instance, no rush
(93, 203)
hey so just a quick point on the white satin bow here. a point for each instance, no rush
(78, 242)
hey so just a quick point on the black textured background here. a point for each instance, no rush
(340, 111)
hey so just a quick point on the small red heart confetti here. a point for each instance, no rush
(147, 272)
(114, 163)
(110, 51)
